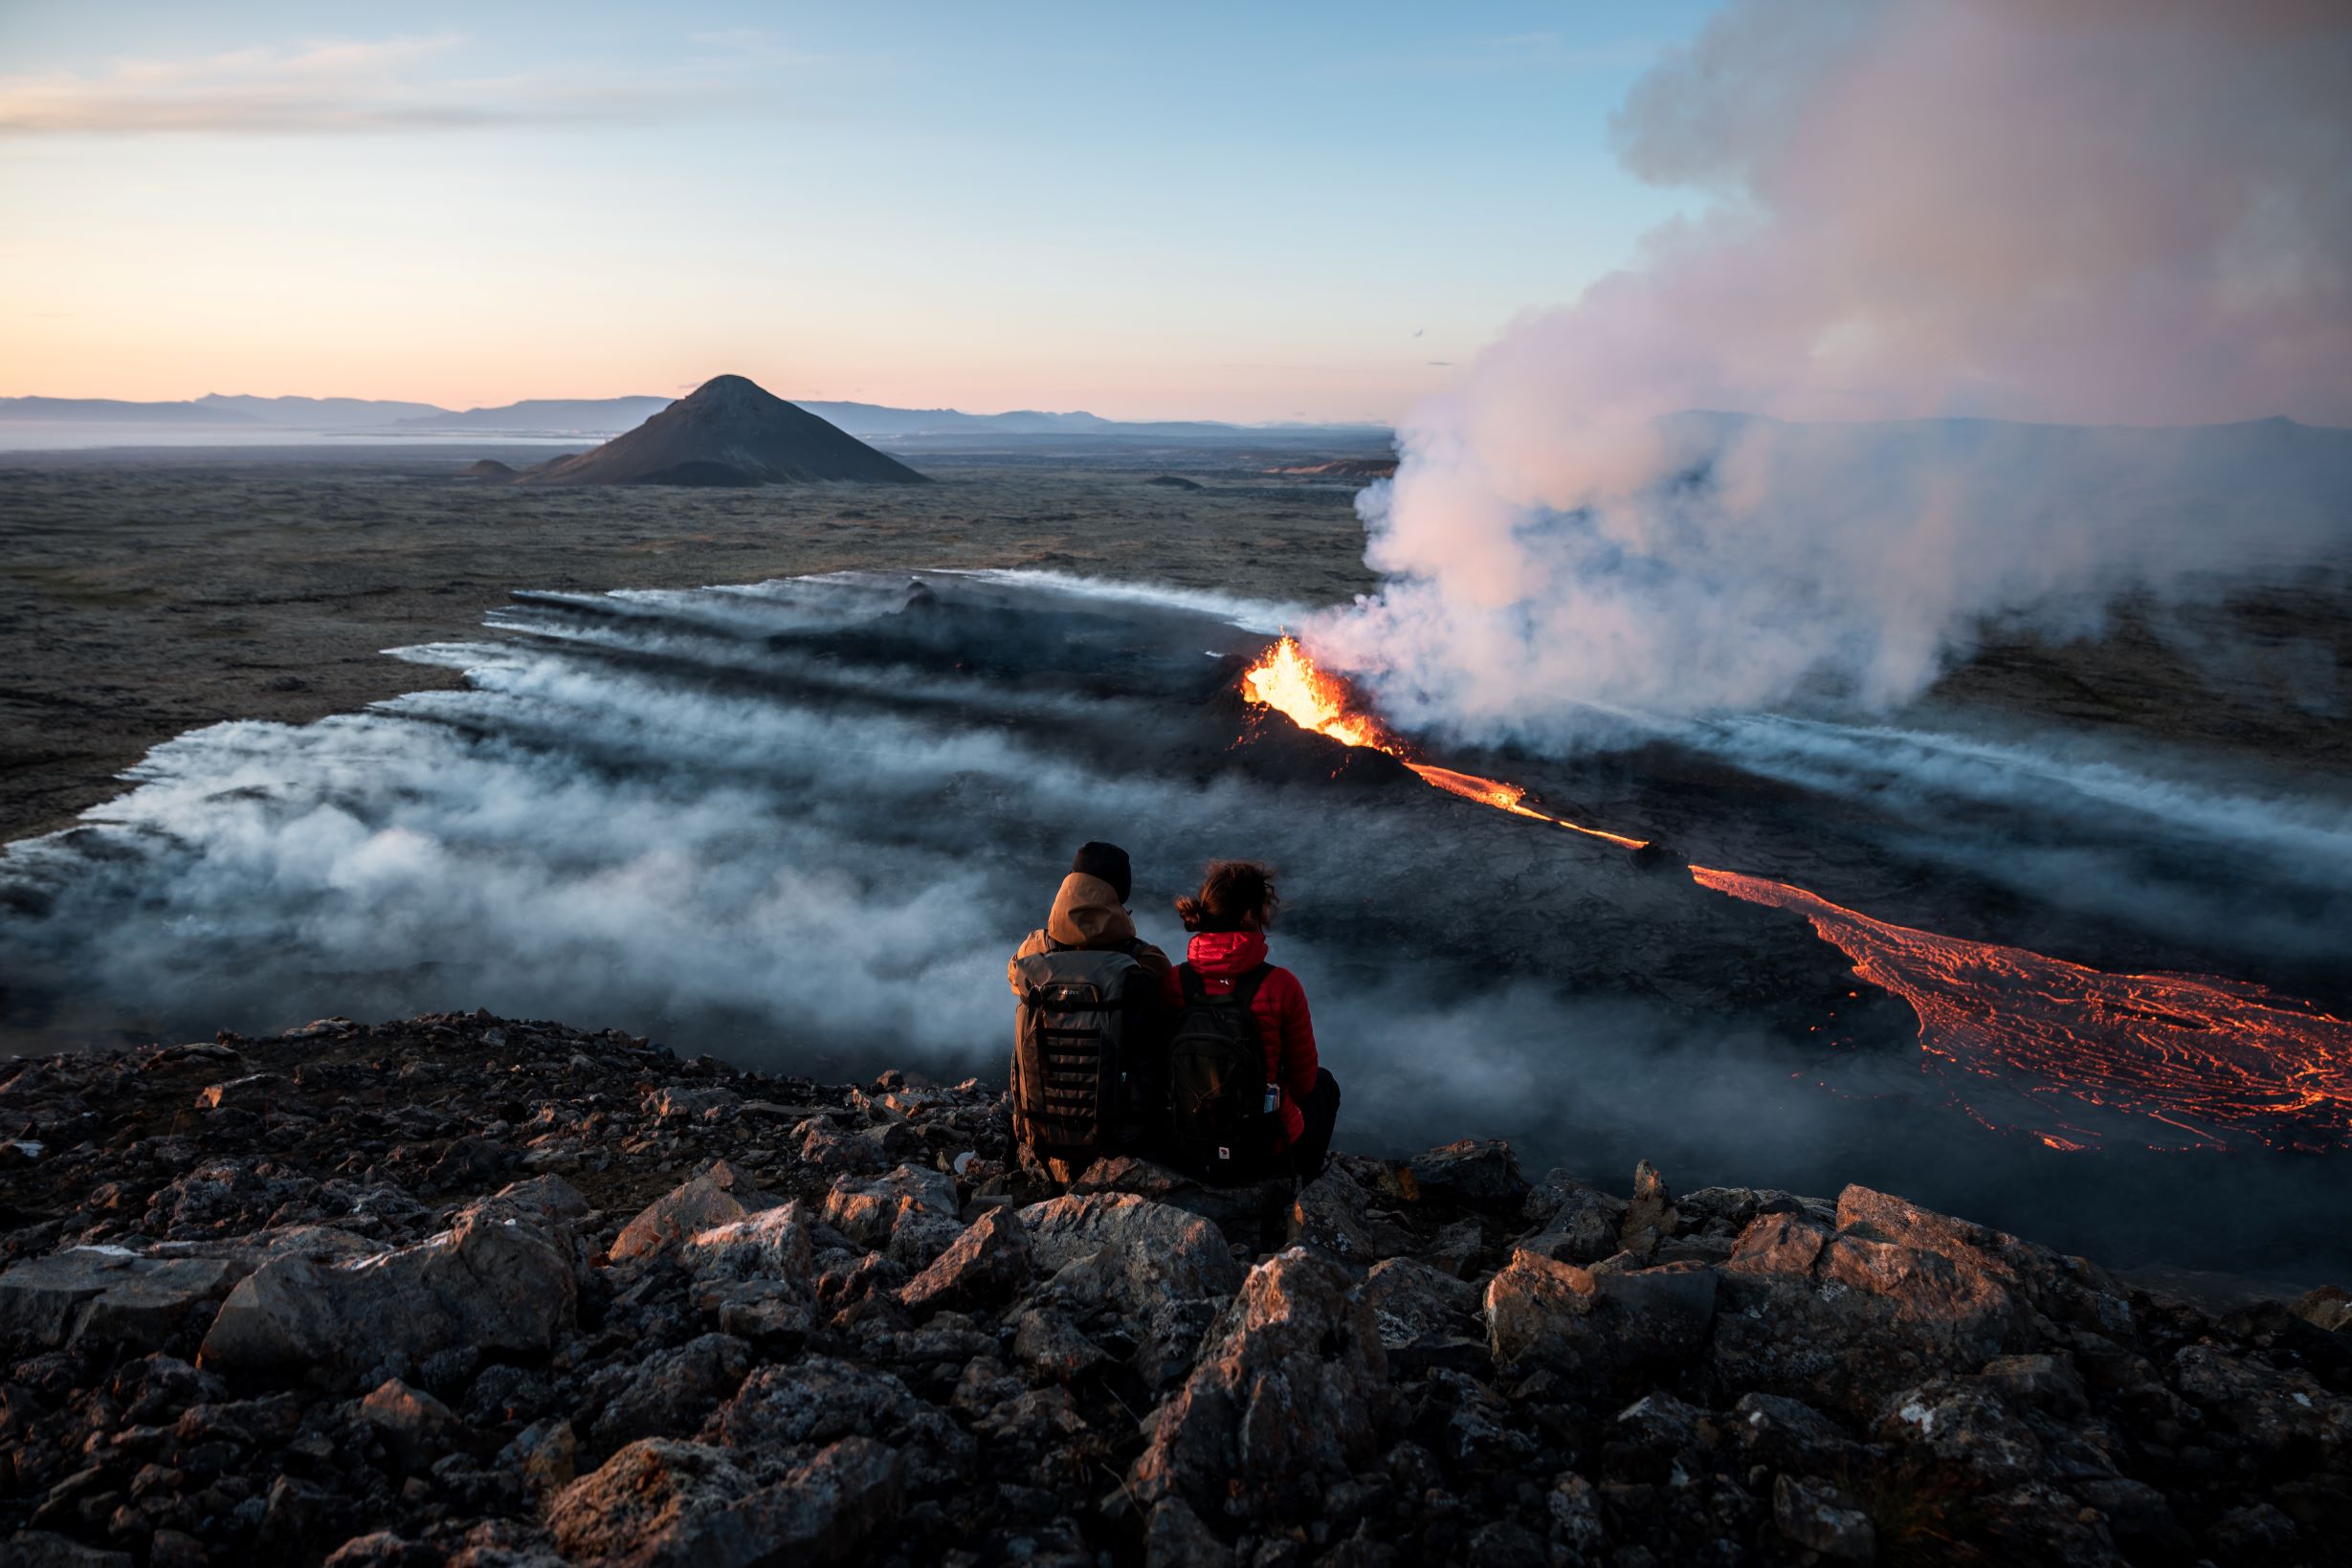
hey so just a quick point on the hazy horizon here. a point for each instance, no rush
(1221, 215)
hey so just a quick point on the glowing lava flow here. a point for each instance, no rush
(2214, 1062)
(1287, 681)
(2072, 1055)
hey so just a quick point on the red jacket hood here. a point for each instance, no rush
(1226, 954)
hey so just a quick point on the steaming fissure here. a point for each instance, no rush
(2022, 1041)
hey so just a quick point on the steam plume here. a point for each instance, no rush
(2089, 211)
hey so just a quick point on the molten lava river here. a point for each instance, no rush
(2025, 1043)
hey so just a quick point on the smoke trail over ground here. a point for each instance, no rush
(2092, 211)
(801, 824)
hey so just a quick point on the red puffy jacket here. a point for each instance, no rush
(1280, 1008)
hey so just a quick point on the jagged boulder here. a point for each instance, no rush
(2066, 1290)
(1596, 1325)
(1816, 1515)
(1575, 1220)
(669, 1393)
(1651, 1218)
(1478, 1172)
(105, 1295)
(1785, 1434)
(1052, 1346)
(1289, 1396)
(1332, 1215)
(695, 1206)
(47, 1549)
(756, 1277)
(2269, 1408)
(1843, 1318)
(989, 1263)
(663, 1504)
(1424, 1318)
(415, 1428)
(1127, 1249)
(791, 1409)
(492, 1281)
(909, 1214)
(1963, 1427)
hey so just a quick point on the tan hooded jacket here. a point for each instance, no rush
(1087, 913)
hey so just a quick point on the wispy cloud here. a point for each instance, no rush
(390, 84)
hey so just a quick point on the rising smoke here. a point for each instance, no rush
(1915, 217)
(800, 825)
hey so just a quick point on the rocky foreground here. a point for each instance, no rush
(466, 1291)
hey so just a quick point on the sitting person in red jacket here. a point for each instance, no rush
(1229, 918)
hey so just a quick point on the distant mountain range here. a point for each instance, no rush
(596, 416)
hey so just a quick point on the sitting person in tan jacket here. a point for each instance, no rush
(1090, 1079)
(1090, 911)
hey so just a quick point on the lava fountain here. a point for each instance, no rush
(1290, 683)
(2022, 1042)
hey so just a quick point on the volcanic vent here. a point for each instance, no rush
(730, 432)
(2074, 1057)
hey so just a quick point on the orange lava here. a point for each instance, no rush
(2213, 1063)
(1511, 797)
(1288, 681)
(2071, 1055)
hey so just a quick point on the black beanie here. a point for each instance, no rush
(1107, 861)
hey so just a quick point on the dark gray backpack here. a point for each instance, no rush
(1216, 1082)
(1078, 1069)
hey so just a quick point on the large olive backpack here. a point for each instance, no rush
(1083, 1078)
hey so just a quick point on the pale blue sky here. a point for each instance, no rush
(1219, 211)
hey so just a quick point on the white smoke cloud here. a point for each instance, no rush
(2088, 212)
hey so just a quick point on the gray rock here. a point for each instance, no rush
(1841, 1318)
(1584, 1225)
(909, 1213)
(2271, 1409)
(2038, 1382)
(1132, 1250)
(1787, 1434)
(2066, 1290)
(1817, 1517)
(1289, 1396)
(1965, 1427)
(1574, 1508)
(660, 1504)
(492, 1281)
(1651, 1218)
(1541, 1313)
(1332, 1215)
(107, 1295)
(1168, 1339)
(816, 1400)
(415, 1428)
(681, 1104)
(672, 1392)
(1050, 1345)
(1480, 1172)
(1174, 1537)
(773, 1244)
(2329, 1307)
(47, 1549)
(1424, 1318)
(556, 1201)
(989, 1263)
(668, 1220)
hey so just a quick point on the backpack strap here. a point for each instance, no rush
(1245, 985)
(1194, 989)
